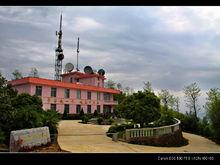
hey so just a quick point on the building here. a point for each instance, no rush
(71, 91)
(76, 91)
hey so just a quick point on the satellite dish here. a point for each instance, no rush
(101, 72)
(88, 70)
(69, 67)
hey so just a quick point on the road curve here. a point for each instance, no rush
(88, 138)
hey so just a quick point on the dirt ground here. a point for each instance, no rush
(88, 138)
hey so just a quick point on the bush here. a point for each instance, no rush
(85, 119)
(51, 119)
(100, 120)
(166, 118)
(119, 128)
(110, 121)
(65, 115)
(95, 113)
(81, 113)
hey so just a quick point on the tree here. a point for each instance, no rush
(34, 72)
(148, 87)
(95, 114)
(81, 112)
(167, 99)
(192, 93)
(176, 105)
(110, 84)
(213, 110)
(142, 107)
(17, 74)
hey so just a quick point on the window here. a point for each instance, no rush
(98, 108)
(89, 95)
(71, 79)
(53, 107)
(98, 95)
(78, 94)
(107, 109)
(77, 80)
(67, 93)
(78, 108)
(66, 108)
(53, 92)
(88, 108)
(107, 96)
(38, 90)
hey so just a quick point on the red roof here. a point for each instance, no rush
(54, 83)
(83, 75)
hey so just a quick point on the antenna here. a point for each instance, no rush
(77, 68)
(59, 53)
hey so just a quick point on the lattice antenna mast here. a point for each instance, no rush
(59, 53)
(77, 61)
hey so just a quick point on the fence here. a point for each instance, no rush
(156, 131)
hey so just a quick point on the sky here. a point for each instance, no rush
(169, 46)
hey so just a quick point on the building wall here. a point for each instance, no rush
(59, 100)
(25, 88)
(94, 81)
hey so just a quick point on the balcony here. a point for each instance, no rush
(110, 102)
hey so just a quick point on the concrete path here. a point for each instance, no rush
(87, 138)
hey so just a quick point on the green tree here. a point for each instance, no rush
(142, 107)
(17, 74)
(213, 110)
(192, 93)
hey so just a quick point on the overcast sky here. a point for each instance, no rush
(169, 46)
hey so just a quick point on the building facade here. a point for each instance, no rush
(74, 92)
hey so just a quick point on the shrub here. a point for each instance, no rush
(81, 113)
(51, 119)
(95, 113)
(65, 114)
(100, 120)
(85, 119)
(110, 121)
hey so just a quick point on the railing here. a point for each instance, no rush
(156, 131)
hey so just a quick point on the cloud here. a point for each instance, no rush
(83, 24)
(169, 46)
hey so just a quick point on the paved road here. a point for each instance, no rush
(87, 138)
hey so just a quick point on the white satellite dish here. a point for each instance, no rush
(69, 67)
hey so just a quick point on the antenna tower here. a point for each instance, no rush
(77, 61)
(59, 53)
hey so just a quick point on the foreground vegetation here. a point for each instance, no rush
(22, 111)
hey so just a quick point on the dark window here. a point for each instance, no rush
(67, 108)
(38, 90)
(98, 108)
(71, 79)
(89, 95)
(67, 93)
(77, 80)
(98, 95)
(89, 108)
(53, 107)
(53, 92)
(78, 108)
(107, 96)
(107, 109)
(78, 94)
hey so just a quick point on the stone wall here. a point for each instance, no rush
(167, 140)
